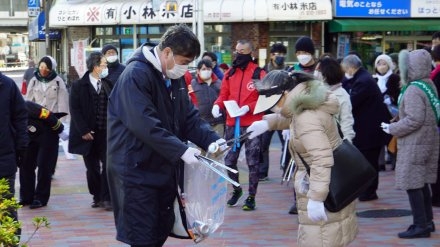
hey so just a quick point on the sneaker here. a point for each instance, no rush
(235, 197)
(263, 179)
(249, 204)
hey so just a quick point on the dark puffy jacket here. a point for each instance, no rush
(42, 120)
(114, 71)
(13, 126)
(206, 95)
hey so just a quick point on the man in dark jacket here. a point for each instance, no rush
(150, 120)
(369, 112)
(115, 68)
(13, 128)
(88, 126)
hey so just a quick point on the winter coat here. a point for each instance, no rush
(147, 135)
(205, 95)
(83, 111)
(416, 130)
(13, 126)
(309, 111)
(114, 71)
(344, 118)
(369, 112)
(55, 97)
(240, 87)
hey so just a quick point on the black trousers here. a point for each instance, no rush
(372, 155)
(420, 201)
(97, 174)
(42, 153)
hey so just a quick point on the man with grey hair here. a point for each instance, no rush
(368, 112)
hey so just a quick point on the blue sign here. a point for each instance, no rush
(34, 3)
(372, 8)
(37, 32)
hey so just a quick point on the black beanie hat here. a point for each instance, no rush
(109, 47)
(305, 44)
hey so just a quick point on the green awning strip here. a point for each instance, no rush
(363, 25)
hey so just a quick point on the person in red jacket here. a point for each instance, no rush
(238, 85)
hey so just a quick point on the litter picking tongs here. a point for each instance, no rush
(289, 171)
(210, 163)
(214, 148)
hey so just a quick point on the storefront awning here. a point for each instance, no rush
(110, 12)
(363, 25)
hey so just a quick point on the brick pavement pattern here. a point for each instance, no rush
(75, 223)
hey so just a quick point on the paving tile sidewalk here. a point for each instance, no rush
(75, 223)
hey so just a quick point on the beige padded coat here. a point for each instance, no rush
(309, 112)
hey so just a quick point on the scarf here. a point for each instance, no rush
(382, 80)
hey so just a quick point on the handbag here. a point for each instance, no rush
(392, 146)
(351, 174)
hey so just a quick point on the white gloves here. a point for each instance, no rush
(387, 100)
(216, 111)
(243, 110)
(220, 144)
(64, 135)
(189, 157)
(316, 211)
(385, 127)
(286, 135)
(257, 128)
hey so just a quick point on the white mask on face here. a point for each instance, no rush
(112, 59)
(177, 71)
(348, 76)
(104, 73)
(304, 59)
(205, 74)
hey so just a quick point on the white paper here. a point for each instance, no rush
(233, 109)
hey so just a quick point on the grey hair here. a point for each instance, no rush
(244, 42)
(352, 61)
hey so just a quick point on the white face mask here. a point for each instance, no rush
(304, 59)
(348, 76)
(112, 59)
(205, 74)
(177, 71)
(104, 73)
(318, 75)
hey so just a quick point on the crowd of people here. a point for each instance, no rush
(313, 106)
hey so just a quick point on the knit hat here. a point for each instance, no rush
(49, 61)
(385, 58)
(305, 44)
(107, 47)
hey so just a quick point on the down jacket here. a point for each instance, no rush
(416, 131)
(309, 111)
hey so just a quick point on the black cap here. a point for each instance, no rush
(109, 47)
(305, 44)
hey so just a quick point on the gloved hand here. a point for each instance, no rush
(189, 157)
(286, 135)
(216, 111)
(385, 127)
(257, 128)
(219, 145)
(316, 211)
(20, 156)
(243, 110)
(64, 135)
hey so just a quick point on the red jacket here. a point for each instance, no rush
(240, 87)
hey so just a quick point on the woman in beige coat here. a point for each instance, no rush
(417, 140)
(308, 109)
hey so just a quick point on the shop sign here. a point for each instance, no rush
(37, 30)
(299, 10)
(33, 8)
(373, 9)
(147, 12)
(425, 8)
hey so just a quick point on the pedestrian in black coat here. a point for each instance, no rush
(150, 120)
(115, 68)
(369, 111)
(88, 126)
(43, 125)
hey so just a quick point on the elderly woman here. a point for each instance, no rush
(417, 140)
(308, 109)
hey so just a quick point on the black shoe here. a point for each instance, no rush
(24, 203)
(263, 179)
(249, 204)
(431, 226)
(370, 197)
(415, 231)
(95, 204)
(293, 209)
(235, 197)
(36, 204)
(107, 205)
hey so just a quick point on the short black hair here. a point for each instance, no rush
(181, 40)
(211, 55)
(93, 60)
(436, 53)
(205, 62)
(436, 35)
(331, 70)
(278, 48)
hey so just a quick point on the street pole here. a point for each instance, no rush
(200, 26)
(47, 4)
